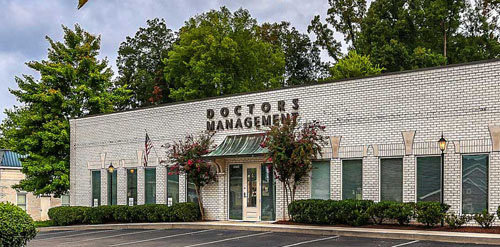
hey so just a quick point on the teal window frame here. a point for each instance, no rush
(112, 188)
(318, 180)
(384, 193)
(173, 188)
(131, 188)
(93, 186)
(348, 178)
(477, 181)
(424, 178)
(150, 186)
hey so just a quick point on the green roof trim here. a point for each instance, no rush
(239, 145)
(10, 159)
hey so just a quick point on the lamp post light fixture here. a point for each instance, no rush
(111, 169)
(442, 147)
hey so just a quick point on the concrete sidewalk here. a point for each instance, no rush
(440, 236)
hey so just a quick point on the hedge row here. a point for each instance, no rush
(362, 212)
(70, 215)
(16, 226)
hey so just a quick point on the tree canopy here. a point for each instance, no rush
(221, 53)
(399, 35)
(73, 83)
(140, 63)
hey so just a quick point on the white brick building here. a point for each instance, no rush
(383, 144)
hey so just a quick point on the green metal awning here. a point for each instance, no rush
(240, 145)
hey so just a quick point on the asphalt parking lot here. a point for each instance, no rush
(212, 238)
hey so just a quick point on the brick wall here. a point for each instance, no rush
(370, 114)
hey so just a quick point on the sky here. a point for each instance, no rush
(25, 23)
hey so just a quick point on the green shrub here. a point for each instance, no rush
(430, 213)
(354, 212)
(484, 219)
(314, 211)
(17, 228)
(188, 211)
(67, 215)
(378, 212)
(124, 214)
(455, 221)
(402, 212)
(311, 211)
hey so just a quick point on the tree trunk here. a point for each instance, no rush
(200, 201)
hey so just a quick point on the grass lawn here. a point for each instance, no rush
(44, 223)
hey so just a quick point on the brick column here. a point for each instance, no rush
(121, 184)
(371, 176)
(494, 190)
(336, 179)
(161, 187)
(452, 179)
(409, 178)
(140, 185)
(104, 186)
(182, 188)
(222, 197)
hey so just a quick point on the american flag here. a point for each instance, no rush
(148, 145)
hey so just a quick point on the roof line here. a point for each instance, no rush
(308, 84)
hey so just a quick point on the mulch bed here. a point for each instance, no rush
(472, 229)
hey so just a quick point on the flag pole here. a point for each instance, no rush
(158, 157)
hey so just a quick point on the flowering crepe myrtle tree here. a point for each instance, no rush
(292, 147)
(187, 157)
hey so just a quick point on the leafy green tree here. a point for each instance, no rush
(220, 53)
(302, 58)
(186, 157)
(73, 83)
(354, 65)
(291, 150)
(400, 34)
(140, 63)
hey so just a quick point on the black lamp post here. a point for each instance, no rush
(442, 147)
(111, 169)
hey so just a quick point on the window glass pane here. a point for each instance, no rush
(150, 185)
(172, 189)
(96, 188)
(352, 179)
(429, 179)
(251, 187)
(235, 192)
(191, 193)
(474, 183)
(320, 180)
(112, 189)
(131, 187)
(65, 200)
(21, 201)
(391, 180)
(268, 190)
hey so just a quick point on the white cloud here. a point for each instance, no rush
(26, 23)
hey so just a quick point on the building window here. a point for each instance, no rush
(391, 179)
(474, 183)
(21, 201)
(131, 187)
(65, 200)
(150, 185)
(236, 192)
(352, 179)
(96, 188)
(268, 192)
(172, 188)
(429, 179)
(320, 180)
(112, 187)
(191, 192)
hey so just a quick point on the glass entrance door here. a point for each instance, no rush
(251, 192)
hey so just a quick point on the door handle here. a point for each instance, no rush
(244, 195)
